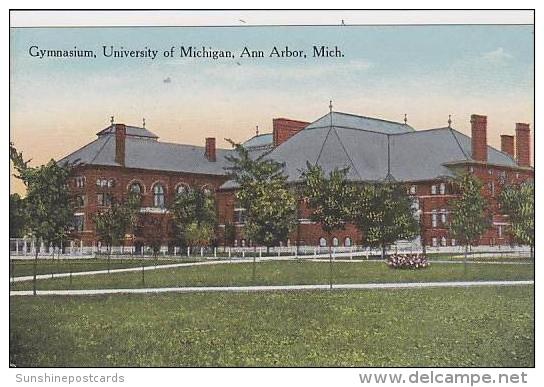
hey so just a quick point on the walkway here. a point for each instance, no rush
(195, 289)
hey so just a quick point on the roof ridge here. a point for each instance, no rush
(373, 118)
(452, 131)
(359, 129)
(347, 154)
(323, 145)
(101, 149)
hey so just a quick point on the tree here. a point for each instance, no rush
(330, 200)
(270, 207)
(17, 216)
(114, 222)
(194, 217)
(383, 213)
(469, 218)
(518, 202)
(48, 203)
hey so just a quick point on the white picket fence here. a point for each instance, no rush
(21, 248)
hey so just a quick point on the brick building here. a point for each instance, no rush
(126, 158)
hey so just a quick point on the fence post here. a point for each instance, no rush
(243, 253)
(229, 253)
(188, 252)
(143, 273)
(279, 252)
(260, 253)
(202, 252)
(350, 253)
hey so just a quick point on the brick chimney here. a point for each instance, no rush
(523, 144)
(479, 137)
(120, 137)
(284, 128)
(210, 149)
(507, 144)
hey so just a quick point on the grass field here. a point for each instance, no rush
(19, 267)
(490, 326)
(286, 272)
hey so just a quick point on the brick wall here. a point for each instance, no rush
(283, 129)
(122, 180)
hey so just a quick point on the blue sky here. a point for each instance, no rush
(427, 72)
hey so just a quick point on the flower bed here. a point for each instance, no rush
(407, 261)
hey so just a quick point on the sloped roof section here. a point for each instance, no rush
(259, 141)
(154, 155)
(346, 120)
(133, 131)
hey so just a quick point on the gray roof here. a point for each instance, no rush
(144, 153)
(372, 155)
(131, 131)
(259, 141)
(372, 149)
(353, 121)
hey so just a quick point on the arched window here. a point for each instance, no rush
(335, 241)
(158, 195)
(136, 188)
(443, 241)
(182, 188)
(322, 242)
(347, 242)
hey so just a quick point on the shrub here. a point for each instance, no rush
(407, 261)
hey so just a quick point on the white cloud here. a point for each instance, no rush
(497, 55)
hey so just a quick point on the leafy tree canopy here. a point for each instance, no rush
(518, 202)
(469, 219)
(270, 205)
(383, 212)
(330, 198)
(48, 202)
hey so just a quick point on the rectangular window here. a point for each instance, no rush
(443, 216)
(103, 199)
(442, 188)
(434, 219)
(453, 242)
(80, 200)
(499, 230)
(433, 189)
(79, 222)
(240, 215)
(413, 190)
(434, 241)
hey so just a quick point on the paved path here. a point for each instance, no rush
(195, 289)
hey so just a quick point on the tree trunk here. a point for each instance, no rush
(34, 272)
(254, 262)
(465, 259)
(330, 262)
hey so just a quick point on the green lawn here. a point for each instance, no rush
(287, 272)
(20, 267)
(483, 327)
